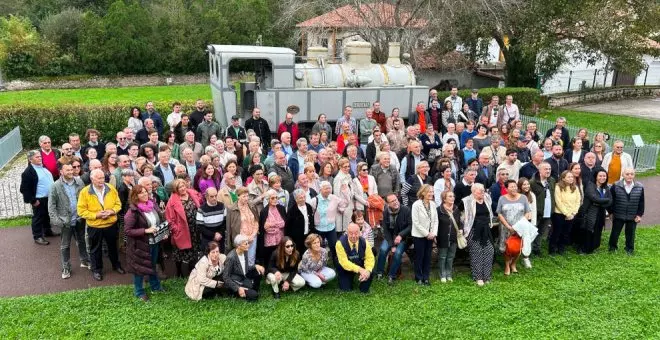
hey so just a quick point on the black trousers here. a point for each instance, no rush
(40, 219)
(95, 238)
(251, 294)
(617, 225)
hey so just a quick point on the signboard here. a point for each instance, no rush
(637, 139)
(361, 105)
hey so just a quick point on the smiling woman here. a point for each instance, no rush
(584, 290)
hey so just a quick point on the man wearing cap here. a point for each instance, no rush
(289, 126)
(236, 131)
(524, 154)
(475, 103)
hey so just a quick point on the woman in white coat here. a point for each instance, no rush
(343, 178)
(364, 185)
(424, 229)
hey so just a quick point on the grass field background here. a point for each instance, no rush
(601, 296)
(137, 96)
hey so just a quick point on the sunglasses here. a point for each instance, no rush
(365, 169)
(288, 246)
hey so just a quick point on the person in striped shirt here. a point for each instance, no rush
(211, 220)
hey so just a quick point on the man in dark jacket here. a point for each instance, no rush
(236, 131)
(396, 227)
(543, 187)
(197, 116)
(557, 162)
(36, 181)
(475, 103)
(281, 169)
(152, 114)
(260, 127)
(560, 124)
(627, 209)
(589, 168)
(486, 172)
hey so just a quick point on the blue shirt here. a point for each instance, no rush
(322, 209)
(44, 182)
(70, 190)
(168, 176)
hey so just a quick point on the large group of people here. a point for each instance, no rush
(232, 206)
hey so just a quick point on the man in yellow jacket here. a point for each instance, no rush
(98, 204)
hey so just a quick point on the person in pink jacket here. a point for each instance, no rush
(181, 212)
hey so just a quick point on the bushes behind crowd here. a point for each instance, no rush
(59, 121)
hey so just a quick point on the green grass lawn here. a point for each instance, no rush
(613, 124)
(132, 95)
(599, 296)
(15, 222)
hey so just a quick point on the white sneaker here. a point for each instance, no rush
(443, 280)
(480, 283)
(66, 274)
(85, 265)
(449, 279)
(527, 263)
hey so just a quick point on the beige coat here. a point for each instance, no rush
(202, 276)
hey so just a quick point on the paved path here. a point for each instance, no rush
(29, 269)
(643, 108)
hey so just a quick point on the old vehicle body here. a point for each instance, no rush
(316, 86)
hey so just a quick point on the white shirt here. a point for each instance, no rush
(448, 135)
(100, 194)
(303, 210)
(628, 187)
(241, 259)
(547, 204)
(576, 156)
(152, 218)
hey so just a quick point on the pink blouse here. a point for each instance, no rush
(275, 233)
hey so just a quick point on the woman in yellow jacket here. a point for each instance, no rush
(567, 204)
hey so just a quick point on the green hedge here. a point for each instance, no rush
(524, 97)
(58, 122)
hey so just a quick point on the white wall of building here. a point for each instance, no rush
(653, 75)
(576, 75)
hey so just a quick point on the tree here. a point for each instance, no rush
(22, 51)
(538, 36)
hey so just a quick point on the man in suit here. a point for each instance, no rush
(486, 172)
(36, 181)
(240, 277)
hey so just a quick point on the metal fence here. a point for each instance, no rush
(11, 201)
(10, 146)
(644, 157)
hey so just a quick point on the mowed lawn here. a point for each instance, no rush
(601, 296)
(100, 96)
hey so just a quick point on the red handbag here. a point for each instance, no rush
(513, 245)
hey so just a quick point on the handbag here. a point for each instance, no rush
(162, 231)
(513, 245)
(461, 241)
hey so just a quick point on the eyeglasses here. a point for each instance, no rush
(288, 246)
(76, 166)
(124, 138)
(365, 169)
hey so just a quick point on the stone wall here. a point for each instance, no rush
(100, 81)
(603, 95)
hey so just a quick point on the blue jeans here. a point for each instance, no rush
(446, 260)
(154, 282)
(252, 253)
(396, 258)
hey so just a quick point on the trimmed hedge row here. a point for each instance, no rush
(524, 97)
(58, 122)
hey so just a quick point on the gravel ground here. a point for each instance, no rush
(11, 200)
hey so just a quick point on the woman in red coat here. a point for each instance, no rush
(141, 220)
(181, 212)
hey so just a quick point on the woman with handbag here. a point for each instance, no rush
(140, 221)
(478, 220)
(449, 233)
(511, 208)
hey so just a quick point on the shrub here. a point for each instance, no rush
(58, 122)
(524, 97)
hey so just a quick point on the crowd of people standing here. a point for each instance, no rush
(344, 203)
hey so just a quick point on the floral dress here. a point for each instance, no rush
(195, 253)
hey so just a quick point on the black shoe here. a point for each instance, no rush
(52, 234)
(426, 283)
(41, 241)
(276, 296)
(97, 276)
(390, 281)
(120, 270)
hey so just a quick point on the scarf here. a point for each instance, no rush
(146, 207)
(364, 180)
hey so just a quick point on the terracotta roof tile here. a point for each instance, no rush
(369, 15)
